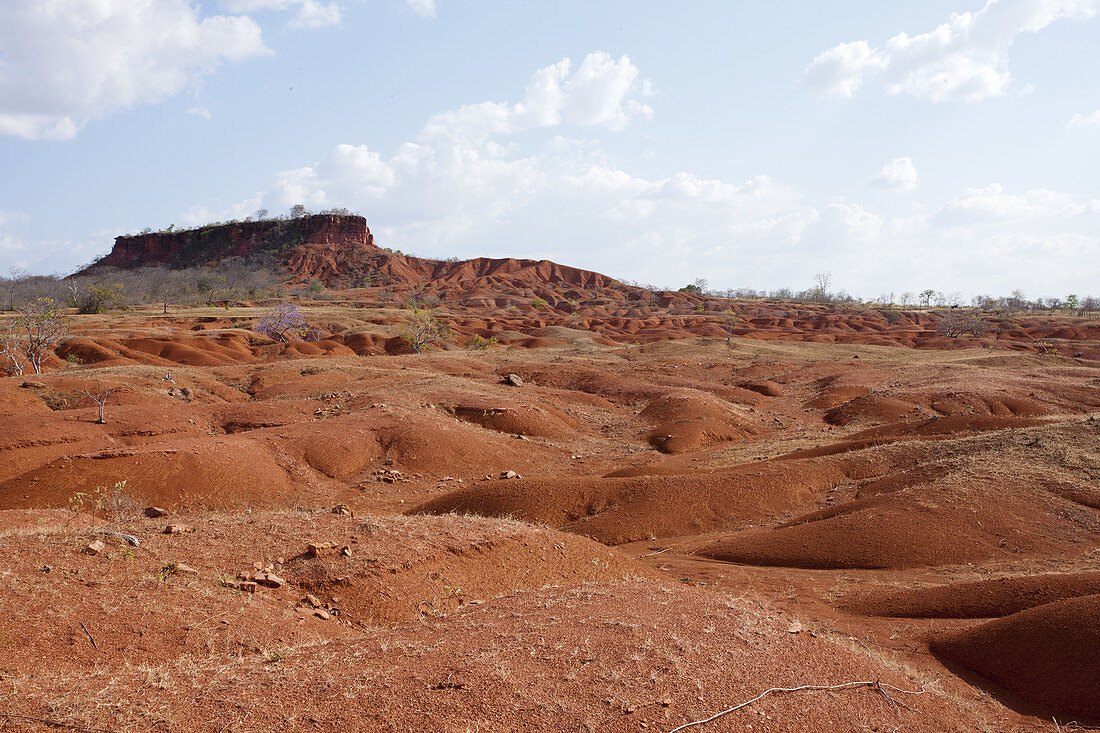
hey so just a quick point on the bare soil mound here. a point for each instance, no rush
(617, 510)
(979, 599)
(611, 657)
(515, 418)
(690, 421)
(1048, 655)
(207, 472)
(870, 408)
(394, 570)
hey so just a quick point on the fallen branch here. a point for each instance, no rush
(53, 723)
(130, 539)
(879, 686)
(651, 554)
(94, 645)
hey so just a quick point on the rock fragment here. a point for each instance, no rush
(93, 548)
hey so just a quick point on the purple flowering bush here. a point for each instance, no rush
(284, 322)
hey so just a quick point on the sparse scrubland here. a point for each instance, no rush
(498, 495)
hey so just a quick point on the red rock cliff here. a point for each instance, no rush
(211, 244)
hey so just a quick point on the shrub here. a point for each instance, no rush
(425, 330)
(955, 326)
(285, 322)
(477, 343)
(96, 298)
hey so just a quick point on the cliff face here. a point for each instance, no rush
(337, 250)
(209, 245)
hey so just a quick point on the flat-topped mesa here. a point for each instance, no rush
(209, 245)
(338, 250)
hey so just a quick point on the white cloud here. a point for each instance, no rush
(992, 204)
(1085, 121)
(964, 59)
(310, 13)
(423, 8)
(202, 112)
(68, 61)
(839, 71)
(599, 93)
(898, 175)
(313, 14)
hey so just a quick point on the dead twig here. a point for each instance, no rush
(94, 645)
(879, 686)
(651, 554)
(54, 723)
(129, 538)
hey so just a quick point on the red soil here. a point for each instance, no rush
(797, 487)
(1048, 655)
(980, 599)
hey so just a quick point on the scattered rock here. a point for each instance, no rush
(509, 474)
(513, 380)
(93, 548)
(343, 510)
(182, 393)
(155, 511)
(248, 586)
(795, 627)
(269, 580)
(345, 551)
(313, 601)
(389, 475)
(177, 529)
(32, 384)
(184, 569)
(319, 549)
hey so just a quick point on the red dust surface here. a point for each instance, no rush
(618, 516)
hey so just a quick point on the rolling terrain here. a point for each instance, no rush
(633, 511)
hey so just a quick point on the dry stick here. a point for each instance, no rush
(651, 554)
(94, 645)
(129, 538)
(53, 723)
(877, 685)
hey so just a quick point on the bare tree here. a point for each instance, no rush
(12, 348)
(18, 275)
(100, 398)
(42, 327)
(822, 282)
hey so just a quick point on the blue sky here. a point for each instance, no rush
(901, 146)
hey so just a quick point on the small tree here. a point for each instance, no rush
(955, 326)
(100, 398)
(12, 349)
(284, 322)
(18, 275)
(165, 287)
(425, 330)
(729, 323)
(926, 297)
(822, 282)
(42, 327)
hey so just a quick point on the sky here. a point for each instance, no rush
(945, 144)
